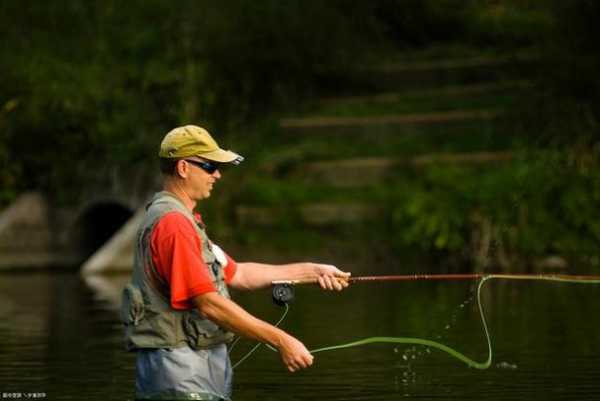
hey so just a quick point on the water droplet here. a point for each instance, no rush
(404, 357)
(506, 365)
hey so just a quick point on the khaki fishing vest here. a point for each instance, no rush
(150, 321)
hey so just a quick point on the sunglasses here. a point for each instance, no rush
(209, 167)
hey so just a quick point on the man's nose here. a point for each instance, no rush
(217, 174)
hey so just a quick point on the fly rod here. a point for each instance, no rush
(283, 291)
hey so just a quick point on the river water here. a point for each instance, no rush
(60, 339)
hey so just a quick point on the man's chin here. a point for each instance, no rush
(205, 195)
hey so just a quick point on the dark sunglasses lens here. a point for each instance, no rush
(209, 167)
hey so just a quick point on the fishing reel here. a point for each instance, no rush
(283, 293)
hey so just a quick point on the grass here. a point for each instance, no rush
(497, 95)
(294, 190)
(289, 192)
(391, 142)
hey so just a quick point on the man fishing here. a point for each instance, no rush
(177, 310)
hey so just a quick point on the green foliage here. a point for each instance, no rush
(541, 203)
(85, 97)
(538, 205)
(103, 81)
(505, 23)
(563, 111)
(99, 83)
(416, 22)
(508, 23)
(431, 212)
(262, 191)
(90, 87)
(261, 54)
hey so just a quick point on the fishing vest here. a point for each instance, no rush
(150, 321)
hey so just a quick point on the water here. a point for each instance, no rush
(60, 337)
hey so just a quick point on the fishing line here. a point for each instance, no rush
(242, 359)
(484, 278)
(426, 342)
(449, 350)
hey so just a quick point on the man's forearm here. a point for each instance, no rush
(252, 275)
(229, 315)
(232, 317)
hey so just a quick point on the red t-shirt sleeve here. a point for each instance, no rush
(229, 269)
(177, 255)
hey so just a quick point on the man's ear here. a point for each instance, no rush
(182, 168)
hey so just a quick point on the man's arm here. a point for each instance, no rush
(231, 316)
(250, 275)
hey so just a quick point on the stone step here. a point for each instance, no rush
(351, 173)
(434, 73)
(451, 91)
(315, 214)
(381, 124)
(366, 171)
(456, 63)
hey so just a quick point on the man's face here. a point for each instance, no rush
(202, 175)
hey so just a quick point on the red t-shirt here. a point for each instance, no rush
(176, 252)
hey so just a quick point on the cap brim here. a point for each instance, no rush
(222, 156)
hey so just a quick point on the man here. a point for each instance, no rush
(177, 311)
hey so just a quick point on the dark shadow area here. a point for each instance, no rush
(96, 225)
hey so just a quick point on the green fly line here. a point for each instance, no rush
(437, 345)
(242, 359)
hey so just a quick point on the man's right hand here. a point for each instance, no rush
(294, 354)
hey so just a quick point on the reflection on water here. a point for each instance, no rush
(59, 338)
(60, 335)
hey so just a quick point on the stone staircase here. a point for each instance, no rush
(390, 118)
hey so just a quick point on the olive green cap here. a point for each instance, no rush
(191, 140)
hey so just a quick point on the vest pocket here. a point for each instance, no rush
(200, 332)
(132, 307)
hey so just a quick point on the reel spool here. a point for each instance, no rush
(283, 294)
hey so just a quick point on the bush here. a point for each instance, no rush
(539, 205)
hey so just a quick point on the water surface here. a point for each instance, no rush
(60, 336)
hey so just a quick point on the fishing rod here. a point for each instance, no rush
(283, 290)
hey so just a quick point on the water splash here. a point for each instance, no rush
(506, 365)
